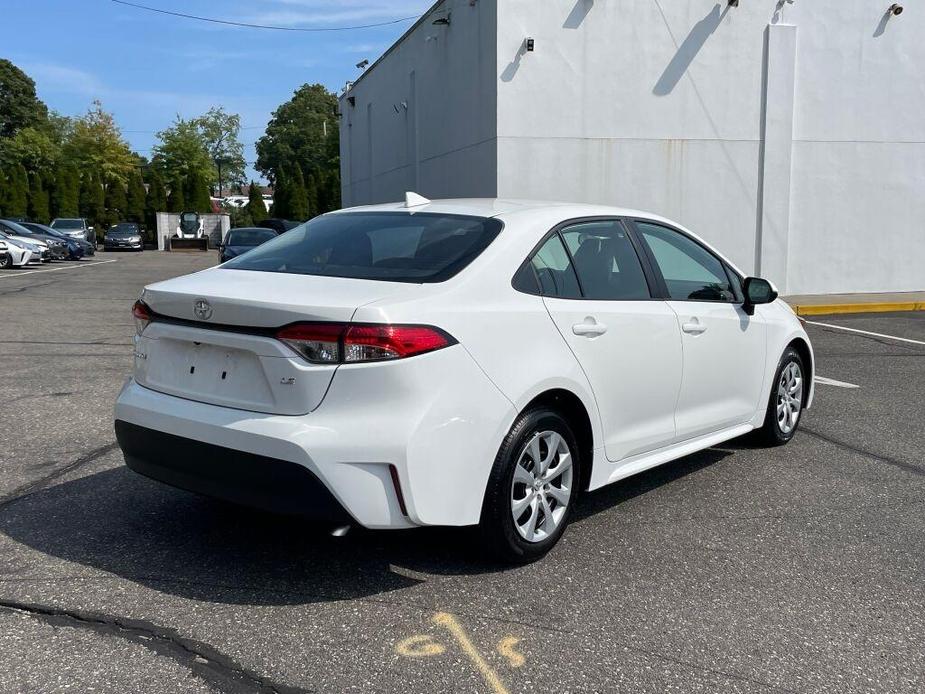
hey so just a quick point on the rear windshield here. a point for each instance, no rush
(249, 237)
(68, 224)
(391, 246)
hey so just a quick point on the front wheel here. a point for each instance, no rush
(532, 488)
(7, 261)
(785, 405)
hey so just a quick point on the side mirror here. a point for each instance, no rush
(757, 291)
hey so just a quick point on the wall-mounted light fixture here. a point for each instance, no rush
(895, 9)
(362, 64)
(529, 45)
(442, 21)
(733, 3)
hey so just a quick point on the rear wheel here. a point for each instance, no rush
(785, 405)
(532, 488)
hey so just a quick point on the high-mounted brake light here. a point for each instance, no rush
(142, 315)
(338, 343)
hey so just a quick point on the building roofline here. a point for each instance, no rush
(395, 45)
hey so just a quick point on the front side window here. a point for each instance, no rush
(390, 246)
(690, 271)
(606, 261)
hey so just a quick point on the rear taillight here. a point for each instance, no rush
(338, 343)
(142, 315)
(317, 342)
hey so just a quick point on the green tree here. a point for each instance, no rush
(156, 200)
(135, 199)
(15, 202)
(93, 201)
(65, 195)
(96, 144)
(19, 105)
(311, 194)
(181, 153)
(255, 205)
(303, 132)
(197, 193)
(38, 199)
(280, 206)
(298, 197)
(219, 132)
(176, 201)
(34, 148)
(116, 203)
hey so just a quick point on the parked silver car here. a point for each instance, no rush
(75, 227)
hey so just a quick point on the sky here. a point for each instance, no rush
(147, 68)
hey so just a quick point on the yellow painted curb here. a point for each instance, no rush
(883, 307)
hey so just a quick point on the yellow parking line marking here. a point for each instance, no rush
(56, 269)
(448, 621)
(506, 648)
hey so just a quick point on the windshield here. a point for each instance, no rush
(17, 229)
(42, 229)
(391, 246)
(68, 224)
(249, 237)
(123, 230)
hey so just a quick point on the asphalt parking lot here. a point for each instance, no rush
(797, 569)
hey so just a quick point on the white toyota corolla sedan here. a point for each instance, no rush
(456, 362)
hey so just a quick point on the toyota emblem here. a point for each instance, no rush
(202, 309)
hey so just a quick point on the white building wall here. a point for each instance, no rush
(424, 119)
(789, 134)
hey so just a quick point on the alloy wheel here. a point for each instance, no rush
(542, 486)
(789, 397)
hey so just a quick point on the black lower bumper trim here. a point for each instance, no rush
(242, 478)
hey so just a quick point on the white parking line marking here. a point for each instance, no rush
(69, 267)
(832, 382)
(866, 332)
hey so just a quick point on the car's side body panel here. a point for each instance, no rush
(439, 418)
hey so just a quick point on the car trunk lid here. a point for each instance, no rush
(213, 337)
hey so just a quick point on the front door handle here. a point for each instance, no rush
(589, 328)
(694, 327)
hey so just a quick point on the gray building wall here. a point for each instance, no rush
(425, 118)
(790, 135)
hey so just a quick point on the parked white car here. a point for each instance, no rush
(18, 252)
(456, 363)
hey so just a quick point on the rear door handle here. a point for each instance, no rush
(695, 327)
(589, 328)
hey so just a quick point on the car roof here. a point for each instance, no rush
(495, 207)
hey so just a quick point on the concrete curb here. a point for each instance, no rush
(867, 307)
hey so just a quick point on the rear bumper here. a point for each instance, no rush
(224, 473)
(435, 419)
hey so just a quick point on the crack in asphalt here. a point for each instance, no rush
(30, 487)
(200, 658)
(901, 464)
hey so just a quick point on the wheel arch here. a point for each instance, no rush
(571, 407)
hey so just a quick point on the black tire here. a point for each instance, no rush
(7, 262)
(772, 433)
(497, 524)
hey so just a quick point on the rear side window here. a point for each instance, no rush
(606, 261)
(392, 246)
(249, 237)
(690, 271)
(554, 272)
